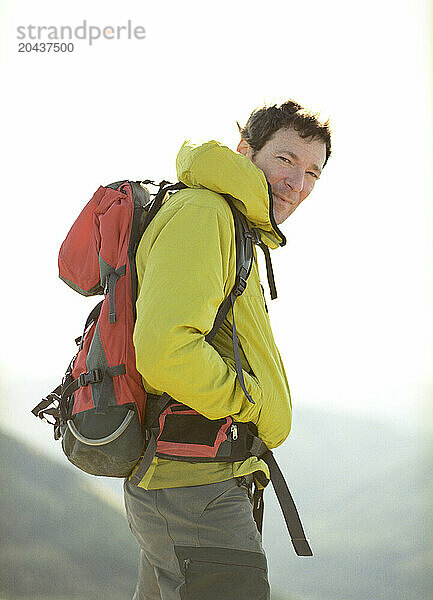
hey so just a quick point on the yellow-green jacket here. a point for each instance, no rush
(186, 264)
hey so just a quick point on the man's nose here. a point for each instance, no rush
(295, 180)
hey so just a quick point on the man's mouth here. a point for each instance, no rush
(291, 202)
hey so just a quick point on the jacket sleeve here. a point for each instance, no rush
(188, 271)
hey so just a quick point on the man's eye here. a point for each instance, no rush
(286, 160)
(312, 174)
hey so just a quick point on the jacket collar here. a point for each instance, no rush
(217, 168)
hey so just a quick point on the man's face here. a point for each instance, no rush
(291, 165)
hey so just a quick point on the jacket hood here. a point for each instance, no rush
(217, 168)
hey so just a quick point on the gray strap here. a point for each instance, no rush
(269, 270)
(111, 281)
(111, 286)
(106, 386)
(148, 456)
(288, 507)
(238, 364)
(258, 448)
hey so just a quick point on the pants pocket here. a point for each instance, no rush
(222, 574)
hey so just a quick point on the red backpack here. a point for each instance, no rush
(98, 409)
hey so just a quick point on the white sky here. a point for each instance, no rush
(353, 319)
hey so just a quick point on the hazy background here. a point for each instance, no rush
(353, 318)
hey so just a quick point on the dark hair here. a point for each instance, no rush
(264, 122)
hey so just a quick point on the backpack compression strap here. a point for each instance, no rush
(288, 507)
(284, 497)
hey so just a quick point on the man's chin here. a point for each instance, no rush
(279, 218)
(282, 210)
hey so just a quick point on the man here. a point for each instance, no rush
(194, 521)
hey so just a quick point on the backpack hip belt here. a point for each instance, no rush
(220, 440)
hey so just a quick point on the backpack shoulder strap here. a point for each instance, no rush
(244, 261)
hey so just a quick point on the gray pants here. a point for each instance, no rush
(197, 543)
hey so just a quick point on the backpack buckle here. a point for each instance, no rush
(94, 376)
(254, 235)
(240, 286)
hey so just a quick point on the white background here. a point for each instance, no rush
(353, 319)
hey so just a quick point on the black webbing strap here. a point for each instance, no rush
(163, 402)
(219, 319)
(93, 376)
(43, 411)
(110, 287)
(39, 409)
(269, 270)
(159, 197)
(244, 259)
(148, 456)
(93, 315)
(254, 235)
(101, 403)
(291, 516)
(238, 364)
(288, 507)
(258, 507)
(159, 404)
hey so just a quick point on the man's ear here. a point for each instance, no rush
(244, 148)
